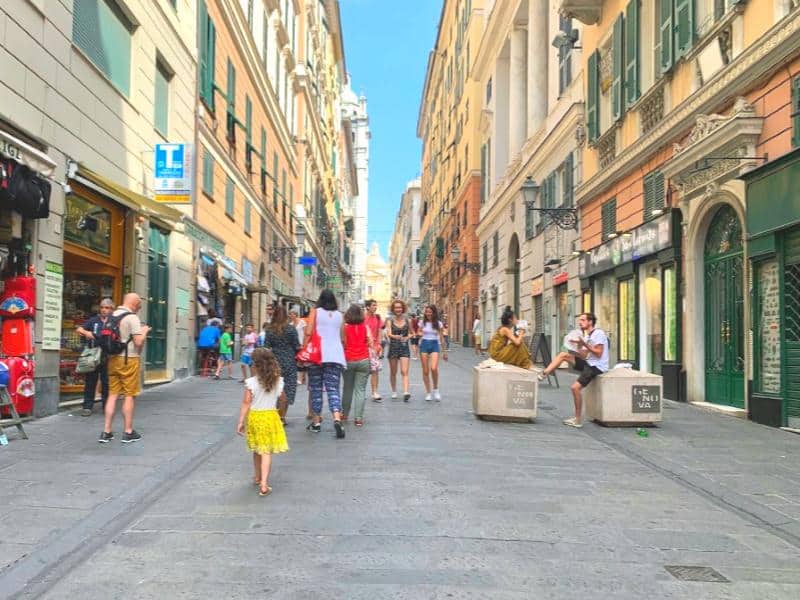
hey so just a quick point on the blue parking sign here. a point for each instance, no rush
(172, 176)
(170, 161)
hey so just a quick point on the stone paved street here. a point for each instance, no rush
(424, 502)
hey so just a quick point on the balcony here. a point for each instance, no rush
(586, 11)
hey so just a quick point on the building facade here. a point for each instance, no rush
(690, 124)
(530, 129)
(378, 279)
(449, 112)
(88, 89)
(404, 248)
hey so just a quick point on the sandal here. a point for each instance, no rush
(264, 492)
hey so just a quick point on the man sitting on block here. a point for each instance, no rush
(590, 359)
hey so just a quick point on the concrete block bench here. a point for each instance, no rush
(504, 393)
(624, 397)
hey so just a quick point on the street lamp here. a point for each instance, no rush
(474, 267)
(565, 218)
(277, 253)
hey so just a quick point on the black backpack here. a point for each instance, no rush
(110, 340)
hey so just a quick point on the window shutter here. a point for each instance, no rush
(247, 216)
(649, 196)
(666, 33)
(632, 51)
(684, 26)
(567, 195)
(796, 111)
(659, 191)
(617, 98)
(609, 218)
(483, 174)
(161, 103)
(230, 198)
(212, 45)
(104, 35)
(248, 120)
(592, 94)
(551, 190)
(208, 173)
(202, 24)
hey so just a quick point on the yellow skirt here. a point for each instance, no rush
(265, 434)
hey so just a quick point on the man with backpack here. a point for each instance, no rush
(122, 340)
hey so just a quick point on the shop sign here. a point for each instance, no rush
(307, 261)
(247, 270)
(562, 277)
(172, 179)
(201, 237)
(537, 286)
(646, 239)
(52, 304)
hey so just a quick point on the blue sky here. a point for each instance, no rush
(386, 45)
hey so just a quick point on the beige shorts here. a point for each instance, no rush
(123, 377)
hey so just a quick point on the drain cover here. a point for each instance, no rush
(690, 573)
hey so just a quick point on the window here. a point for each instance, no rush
(283, 193)
(593, 96)
(669, 285)
(796, 111)
(208, 174)
(275, 181)
(247, 217)
(263, 236)
(617, 76)
(103, 32)
(250, 13)
(676, 31)
(248, 134)
(206, 58)
(632, 59)
(231, 96)
(627, 320)
(489, 91)
(567, 182)
(653, 194)
(529, 224)
(485, 261)
(161, 99)
(230, 197)
(496, 249)
(565, 55)
(609, 219)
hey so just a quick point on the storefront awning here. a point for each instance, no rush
(227, 266)
(36, 160)
(166, 215)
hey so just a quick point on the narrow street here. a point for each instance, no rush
(424, 502)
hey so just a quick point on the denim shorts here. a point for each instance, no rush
(226, 357)
(428, 346)
(246, 359)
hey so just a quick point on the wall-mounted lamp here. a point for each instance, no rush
(565, 218)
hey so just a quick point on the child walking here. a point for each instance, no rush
(259, 420)
(225, 352)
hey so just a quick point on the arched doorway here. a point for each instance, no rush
(512, 270)
(723, 260)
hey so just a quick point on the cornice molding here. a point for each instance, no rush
(757, 62)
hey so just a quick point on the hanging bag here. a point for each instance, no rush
(89, 360)
(311, 353)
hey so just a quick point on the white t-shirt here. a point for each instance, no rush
(264, 400)
(250, 341)
(476, 326)
(598, 336)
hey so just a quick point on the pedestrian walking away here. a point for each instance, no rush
(507, 345)
(300, 325)
(259, 420)
(281, 337)
(357, 341)
(399, 332)
(590, 359)
(90, 331)
(430, 346)
(445, 334)
(476, 336)
(225, 352)
(249, 342)
(122, 339)
(375, 326)
(327, 321)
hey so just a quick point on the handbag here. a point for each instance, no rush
(89, 360)
(311, 353)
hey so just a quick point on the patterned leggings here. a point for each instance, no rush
(327, 375)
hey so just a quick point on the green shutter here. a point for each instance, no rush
(161, 101)
(632, 60)
(275, 181)
(665, 33)
(609, 218)
(230, 197)
(795, 114)
(247, 216)
(263, 148)
(567, 192)
(684, 26)
(208, 173)
(212, 46)
(592, 95)
(231, 90)
(617, 98)
(202, 26)
(649, 196)
(659, 191)
(103, 33)
(248, 120)
(483, 174)
(551, 193)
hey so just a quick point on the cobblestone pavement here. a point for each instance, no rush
(424, 502)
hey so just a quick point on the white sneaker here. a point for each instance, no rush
(437, 396)
(428, 398)
(394, 395)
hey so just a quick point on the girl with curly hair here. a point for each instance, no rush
(258, 416)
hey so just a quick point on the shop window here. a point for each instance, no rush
(161, 98)
(768, 325)
(650, 324)
(87, 224)
(609, 219)
(605, 301)
(627, 320)
(586, 301)
(669, 285)
(103, 32)
(208, 174)
(206, 57)
(230, 197)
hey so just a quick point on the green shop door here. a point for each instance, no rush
(158, 292)
(724, 310)
(791, 303)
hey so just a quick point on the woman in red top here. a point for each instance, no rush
(357, 341)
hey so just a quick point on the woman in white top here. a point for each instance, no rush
(476, 335)
(328, 323)
(430, 346)
(300, 326)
